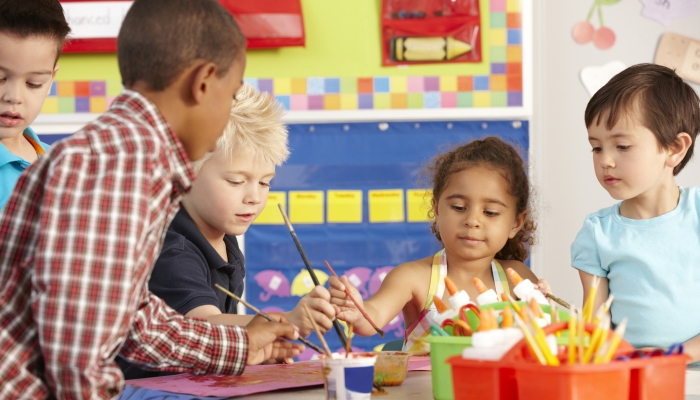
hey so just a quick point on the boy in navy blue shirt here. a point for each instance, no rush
(200, 248)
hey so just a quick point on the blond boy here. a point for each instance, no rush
(230, 191)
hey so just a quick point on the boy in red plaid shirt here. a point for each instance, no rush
(85, 224)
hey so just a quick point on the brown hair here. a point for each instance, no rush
(35, 18)
(664, 103)
(160, 38)
(495, 153)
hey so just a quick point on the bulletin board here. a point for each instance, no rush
(338, 75)
(354, 195)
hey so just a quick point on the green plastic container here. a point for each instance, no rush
(444, 347)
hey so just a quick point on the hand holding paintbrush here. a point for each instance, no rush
(356, 302)
(267, 317)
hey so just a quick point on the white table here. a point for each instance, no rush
(418, 385)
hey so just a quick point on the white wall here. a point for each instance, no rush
(562, 167)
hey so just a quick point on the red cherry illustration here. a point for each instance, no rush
(604, 38)
(583, 32)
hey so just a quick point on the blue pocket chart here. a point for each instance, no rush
(381, 163)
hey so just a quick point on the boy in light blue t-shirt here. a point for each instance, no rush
(642, 127)
(31, 38)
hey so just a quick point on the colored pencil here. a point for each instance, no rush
(603, 309)
(615, 341)
(590, 300)
(530, 340)
(318, 331)
(541, 339)
(573, 333)
(267, 317)
(362, 310)
(336, 324)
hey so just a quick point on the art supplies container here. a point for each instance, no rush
(349, 378)
(572, 382)
(482, 380)
(390, 368)
(444, 347)
(658, 377)
(568, 382)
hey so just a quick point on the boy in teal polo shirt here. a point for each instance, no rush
(31, 38)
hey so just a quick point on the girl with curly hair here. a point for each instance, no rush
(481, 215)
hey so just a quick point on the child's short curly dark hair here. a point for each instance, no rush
(500, 155)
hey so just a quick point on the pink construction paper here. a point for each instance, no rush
(419, 363)
(256, 379)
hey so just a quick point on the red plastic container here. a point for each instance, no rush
(482, 380)
(658, 378)
(518, 376)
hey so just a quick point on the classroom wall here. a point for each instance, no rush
(567, 189)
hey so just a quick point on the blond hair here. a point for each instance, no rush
(254, 126)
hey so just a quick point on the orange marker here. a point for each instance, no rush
(504, 297)
(451, 287)
(514, 276)
(441, 307)
(507, 315)
(480, 287)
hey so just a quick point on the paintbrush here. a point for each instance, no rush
(558, 300)
(336, 324)
(318, 332)
(362, 310)
(267, 317)
(348, 349)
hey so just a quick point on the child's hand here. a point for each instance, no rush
(323, 312)
(266, 339)
(347, 310)
(543, 286)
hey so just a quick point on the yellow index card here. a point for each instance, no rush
(306, 207)
(418, 204)
(345, 206)
(386, 205)
(271, 213)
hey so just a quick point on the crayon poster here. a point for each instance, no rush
(355, 197)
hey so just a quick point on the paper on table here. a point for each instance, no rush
(419, 363)
(256, 379)
(137, 393)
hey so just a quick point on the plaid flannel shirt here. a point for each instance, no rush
(78, 240)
